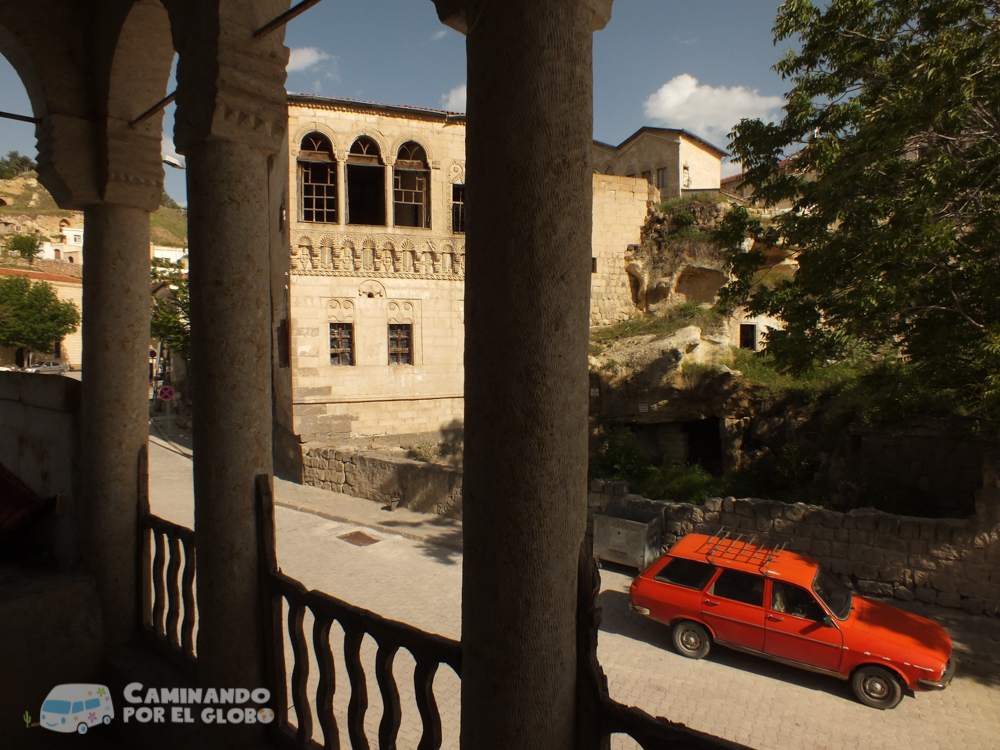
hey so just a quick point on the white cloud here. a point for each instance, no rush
(730, 167)
(454, 100)
(439, 35)
(303, 58)
(708, 111)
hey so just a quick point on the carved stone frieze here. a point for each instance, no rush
(381, 255)
(340, 310)
(371, 288)
(401, 311)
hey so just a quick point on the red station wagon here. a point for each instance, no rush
(768, 601)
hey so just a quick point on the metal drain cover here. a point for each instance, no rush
(359, 538)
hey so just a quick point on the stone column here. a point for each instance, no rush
(529, 199)
(114, 402)
(390, 212)
(341, 191)
(231, 118)
(231, 398)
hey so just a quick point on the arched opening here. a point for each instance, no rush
(317, 180)
(365, 183)
(411, 194)
(3, 202)
(700, 285)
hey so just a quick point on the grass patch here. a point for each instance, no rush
(172, 220)
(688, 314)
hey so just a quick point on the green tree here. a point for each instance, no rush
(33, 316)
(14, 164)
(171, 316)
(167, 202)
(894, 122)
(26, 245)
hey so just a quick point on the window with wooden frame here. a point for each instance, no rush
(661, 177)
(365, 183)
(458, 208)
(411, 189)
(342, 344)
(648, 176)
(317, 180)
(400, 344)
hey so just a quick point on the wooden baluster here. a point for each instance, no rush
(187, 592)
(158, 599)
(392, 714)
(300, 672)
(173, 593)
(359, 690)
(423, 682)
(327, 683)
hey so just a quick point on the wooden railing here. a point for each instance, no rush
(167, 609)
(428, 650)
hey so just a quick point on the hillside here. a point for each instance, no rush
(27, 207)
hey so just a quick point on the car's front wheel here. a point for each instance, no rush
(81, 729)
(691, 639)
(877, 687)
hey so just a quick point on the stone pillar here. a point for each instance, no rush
(390, 206)
(231, 117)
(529, 199)
(114, 402)
(341, 192)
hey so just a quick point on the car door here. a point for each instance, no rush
(794, 628)
(734, 608)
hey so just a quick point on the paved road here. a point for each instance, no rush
(732, 695)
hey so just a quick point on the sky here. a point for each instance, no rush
(698, 66)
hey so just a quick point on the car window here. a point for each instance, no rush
(833, 594)
(56, 707)
(77, 706)
(741, 587)
(94, 703)
(795, 601)
(688, 573)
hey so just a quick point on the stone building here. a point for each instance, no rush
(371, 321)
(674, 161)
(70, 349)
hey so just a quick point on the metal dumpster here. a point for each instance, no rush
(628, 536)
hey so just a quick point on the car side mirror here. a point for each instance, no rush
(827, 621)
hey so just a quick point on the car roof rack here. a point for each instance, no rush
(739, 546)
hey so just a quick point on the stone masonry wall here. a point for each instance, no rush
(941, 561)
(427, 488)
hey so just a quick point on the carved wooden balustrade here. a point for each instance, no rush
(428, 650)
(167, 609)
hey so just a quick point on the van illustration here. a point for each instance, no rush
(76, 708)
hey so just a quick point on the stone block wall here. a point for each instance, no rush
(953, 563)
(427, 488)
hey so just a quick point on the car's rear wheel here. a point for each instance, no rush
(691, 639)
(877, 687)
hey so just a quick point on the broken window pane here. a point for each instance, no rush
(458, 209)
(317, 180)
(365, 183)
(411, 187)
(400, 344)
(341, 343)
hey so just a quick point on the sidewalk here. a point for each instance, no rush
(171, 496)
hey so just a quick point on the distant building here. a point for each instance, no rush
(70, 349)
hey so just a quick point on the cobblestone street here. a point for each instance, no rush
(417, 579)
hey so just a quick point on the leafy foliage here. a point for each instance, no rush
(167, 202)
(895, 116)
(33, 316)
(28, 246)
(171, 317)
(687, 314)
(14, 164)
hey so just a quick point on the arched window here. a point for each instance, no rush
(411, 194)
(317, 180)
(365, 183)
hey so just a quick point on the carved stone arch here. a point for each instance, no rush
(447, 258)
(341, 310)
(609, 168)
(304, 254)
(383, 146)
(401, 311)
(420, 140)
(137, 78)
(368, 247)
(408, 257)
(52, 75)
(326, 245)
(430, 258)
(317, 127)
(371, 288)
